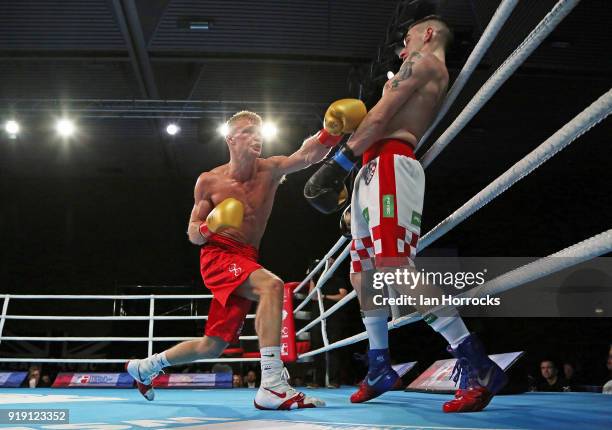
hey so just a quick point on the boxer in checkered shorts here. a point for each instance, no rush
(386, 211)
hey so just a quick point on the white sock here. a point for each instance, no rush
(451, 327)
(271, 366)
(163, 361)
(375, 323)
(153, 364)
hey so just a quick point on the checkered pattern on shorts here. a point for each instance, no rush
(362, 254)
(366, 253)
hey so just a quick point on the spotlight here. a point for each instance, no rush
(65, 127)
(269, 130)
(12, 128)
(172, 129)
(223, 129)
(390, 74)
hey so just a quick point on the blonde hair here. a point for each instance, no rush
(243, 114)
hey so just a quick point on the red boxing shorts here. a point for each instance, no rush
(225, 264)
(386, 207)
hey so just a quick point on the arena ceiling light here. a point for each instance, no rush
(12, 128)
(200, 25)
(223, 129)
(172, 129)
(65, 127)
(269, 130)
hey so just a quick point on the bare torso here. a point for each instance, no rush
(257, 195)
(414, 117)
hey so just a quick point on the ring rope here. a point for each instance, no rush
(110, 318)
(581, 123)
(496, 23)
(324, 277)
(108, 339)
(580, 252)
(328, 312)
(321, 263)
(104, 296)
(150, 339)
(520, 54)
(113, 360)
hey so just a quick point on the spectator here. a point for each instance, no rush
(552, 381)
(572, 375)
(45, 381)
(33, 376)
(222, 368)
(236, 381)
(250, 380)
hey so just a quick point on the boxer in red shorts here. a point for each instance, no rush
(386, 209)
(232, 205)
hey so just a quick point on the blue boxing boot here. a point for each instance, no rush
(380, 378)
(478, 376)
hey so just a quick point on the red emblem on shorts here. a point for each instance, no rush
(235, 269)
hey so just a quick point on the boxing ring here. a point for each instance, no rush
(232, 408)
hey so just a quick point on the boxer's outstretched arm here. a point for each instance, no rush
(414, 73)
(200, 211)
(311, 152)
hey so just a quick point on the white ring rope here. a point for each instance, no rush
(520, 54)
(104, 297)
(321, 263)
(324, 277)
(582, 251)
(109, 318)
(149, 339)
(109, 339)
(328, 312)
(496, 23)
(118, 360)
(582, 123)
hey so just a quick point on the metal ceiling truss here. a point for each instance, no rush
(155, 109)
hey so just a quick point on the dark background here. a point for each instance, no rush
(108, 208)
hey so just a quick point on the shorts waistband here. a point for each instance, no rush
(225, 242)
(388, 146)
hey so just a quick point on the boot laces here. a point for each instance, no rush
(462, 372)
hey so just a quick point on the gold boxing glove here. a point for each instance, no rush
(344, 116)
(227, 214)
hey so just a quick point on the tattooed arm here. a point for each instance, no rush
(414, 73)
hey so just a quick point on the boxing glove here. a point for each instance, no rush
(342, 117)
(227, 214)
(325, 190)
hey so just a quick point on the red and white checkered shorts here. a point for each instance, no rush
(386, 211)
